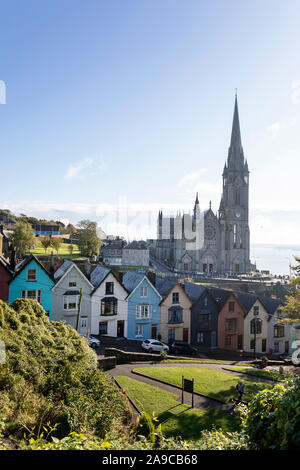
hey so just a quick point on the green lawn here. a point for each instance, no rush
(176, 419)
(264, 374)
(63, 250)
(208, 382)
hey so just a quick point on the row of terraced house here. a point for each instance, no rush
(138, 305)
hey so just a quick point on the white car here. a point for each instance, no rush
(152, 345)
(93, 342)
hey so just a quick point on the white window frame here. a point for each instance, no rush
(31, 280)
(66, 301)
(144, 291)
(37, 294)
(143, 311)
(138, 330)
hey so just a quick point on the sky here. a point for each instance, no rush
(111, 110)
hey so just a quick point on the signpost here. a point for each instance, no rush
(187, 386)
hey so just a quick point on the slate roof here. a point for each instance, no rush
(20, 266)
(164, 286)
(247, 300)
(220, 295)
(131, 279)
(136, 245)
(193, 290)
(270, 304)
(98, 275)
(5, 264)
(62, 269)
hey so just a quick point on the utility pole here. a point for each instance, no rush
(79, 307)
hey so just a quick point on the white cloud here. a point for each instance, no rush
(89, 166)
(273, 128)
(191, 178)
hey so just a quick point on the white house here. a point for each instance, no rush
(66, 295)
(109, 308)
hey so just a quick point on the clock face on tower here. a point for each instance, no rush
(210, 232)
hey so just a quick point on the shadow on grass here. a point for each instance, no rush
(189, 426)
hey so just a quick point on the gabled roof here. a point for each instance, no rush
(98, 275)
(62, 269)
(247, 300)
(20, 266)
(220, 295)
(164, 286)
(270, 304)
(193, 291)
(66, 267)
(131, 281)
(6, 265)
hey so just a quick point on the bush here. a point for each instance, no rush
(272, 420)
(145, 427)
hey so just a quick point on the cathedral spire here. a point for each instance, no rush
(235, 152)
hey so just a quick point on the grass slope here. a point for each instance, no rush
(62, 252)
(208, 382)
(264, 374)
(176, 419)
(50, 378)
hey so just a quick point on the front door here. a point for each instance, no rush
(240, 342)
(185, 335)
(154, 331)
(120, 329)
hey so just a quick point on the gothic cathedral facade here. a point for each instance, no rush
(208, 242)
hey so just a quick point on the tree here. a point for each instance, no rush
(56, 243)
(89, 243)
(23, 238)
(46, 242)
(292, 307)
(71, 229)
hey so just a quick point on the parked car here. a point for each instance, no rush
(92, 341)
(152, 345)
(181, 347)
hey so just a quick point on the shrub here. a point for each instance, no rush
(145, 427)
(272, 420)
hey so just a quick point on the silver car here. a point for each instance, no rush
(152, 345)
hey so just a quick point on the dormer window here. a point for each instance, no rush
(205, 302)
(109, 288)
(31, 275)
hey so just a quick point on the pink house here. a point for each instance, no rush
(231, 324)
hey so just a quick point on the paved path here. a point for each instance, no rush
(200, 402)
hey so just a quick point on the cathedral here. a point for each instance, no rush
(206, 242)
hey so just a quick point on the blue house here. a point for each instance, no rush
(143, 306)
(32, 281)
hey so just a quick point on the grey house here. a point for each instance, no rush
(66, 295)
(135, 253)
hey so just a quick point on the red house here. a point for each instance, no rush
(5, 276)
(231, 324)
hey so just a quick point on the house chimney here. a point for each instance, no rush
(52, 264)
(12, 263)
(151, 275)
(87, 268)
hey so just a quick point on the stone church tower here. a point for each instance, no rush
(225, 246)
(234, 206)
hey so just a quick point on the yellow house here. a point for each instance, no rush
(175, 315)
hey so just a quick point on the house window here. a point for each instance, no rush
(228, 340)
(143, 311)
(256, 310)
(230, 324)
(276, 347)
(72, 283)
(200, 337)
(70, 302)
(171, 334)
(139, 330)
(231, 307)
(103, 328)
(255, 326)
(278, 331)
(144, 291)
(31, 275)
(263, 345)
(175, 316)
(32, 294)
(175, 298)
(109, 307)
(109, 288)
(205, 303)
(204, 321)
